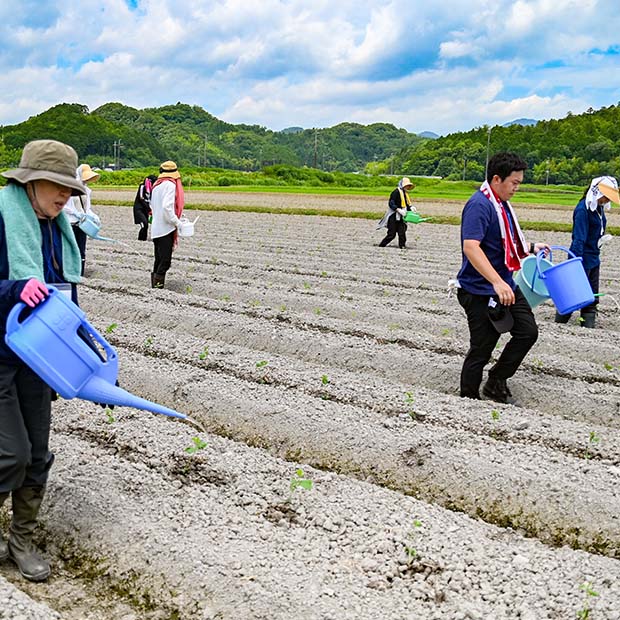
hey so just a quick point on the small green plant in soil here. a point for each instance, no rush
(197, 445)
(584, 612)
(225, 297)
(317, 311)
(109, 417)
(593, 439)
(410, 399)
(110, 328)
(148, 342)
(323, 274)
(299, 481)
(307, 285)
(495, 415)
(608, 366)
(446, 331)
(283, 308)
(261, 363)
(204, 353)
(410, 548)
(188, 289)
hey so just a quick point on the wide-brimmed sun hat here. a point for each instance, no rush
(609, 192)
(169, 170)
(48, 160)
(405, 182)
(88, 174)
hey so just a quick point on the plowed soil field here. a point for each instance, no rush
(342, 477)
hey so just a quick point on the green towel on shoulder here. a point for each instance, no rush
(23, 238)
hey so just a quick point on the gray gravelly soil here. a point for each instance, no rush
(298, 344)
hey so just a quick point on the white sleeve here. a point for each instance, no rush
(168, 203)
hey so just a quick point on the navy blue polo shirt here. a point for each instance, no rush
(479, 221)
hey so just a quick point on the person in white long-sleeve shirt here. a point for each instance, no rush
(78, 207)
(167, 201)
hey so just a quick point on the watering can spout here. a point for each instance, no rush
(99, 390)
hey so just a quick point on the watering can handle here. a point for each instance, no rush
(540, 254)
(12, 321)
(110, 353)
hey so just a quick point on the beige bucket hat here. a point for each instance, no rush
(405, 182)
(51, 161)
(169, 170)
(88, 174)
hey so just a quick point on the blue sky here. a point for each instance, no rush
(422, 65)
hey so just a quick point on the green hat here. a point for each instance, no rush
(49, 160)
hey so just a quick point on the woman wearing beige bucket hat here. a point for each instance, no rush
(79, 207)
(589, 223)
(398, 205)
(37, 246)
(167, 202)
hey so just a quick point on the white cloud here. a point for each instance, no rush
(284, 62)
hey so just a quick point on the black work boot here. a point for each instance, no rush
(561, 318)
(589, 319)
(26, 505)
(497, 390)
(4, 550)
(158, 281)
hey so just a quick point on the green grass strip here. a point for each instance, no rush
(453, 220)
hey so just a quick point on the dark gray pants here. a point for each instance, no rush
(163, 247)
(25, 419)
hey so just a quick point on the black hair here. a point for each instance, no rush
(503, 165)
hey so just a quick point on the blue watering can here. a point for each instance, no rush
(90, 225)
(52, 341)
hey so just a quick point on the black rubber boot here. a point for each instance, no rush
(4, 550)
(157, 281)
(561, 318)
(26, 505)
(589, 319)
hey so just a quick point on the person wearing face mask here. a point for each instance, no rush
(37, 247)
(589, 224)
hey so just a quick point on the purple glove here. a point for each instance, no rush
(34, 292)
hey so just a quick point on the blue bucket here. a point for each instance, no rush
(567, 282)
(47, 340)
(529, 281)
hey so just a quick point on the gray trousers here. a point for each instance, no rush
(25, 419)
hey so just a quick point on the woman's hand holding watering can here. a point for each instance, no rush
(33, 292)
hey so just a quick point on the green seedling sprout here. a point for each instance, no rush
(148, 342)
(110, 328)
(109, 417)
(584, 612)
(204, 353)
(283, 308)
(495, 415)
(410, 550)
(306, 285)
(197, 445)
(445, 331)
(317, 311)
(593, 439)
(323, 274)
(261, 363)
(298, 481)
(225, 297)
(608, 366)
(188, 289)
(324, 379)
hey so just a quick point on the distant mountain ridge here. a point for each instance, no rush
(115, 135)
(524, 122)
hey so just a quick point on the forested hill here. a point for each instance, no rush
(193, 137)
(571, 150)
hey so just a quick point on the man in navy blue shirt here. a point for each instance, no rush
(492, 246)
